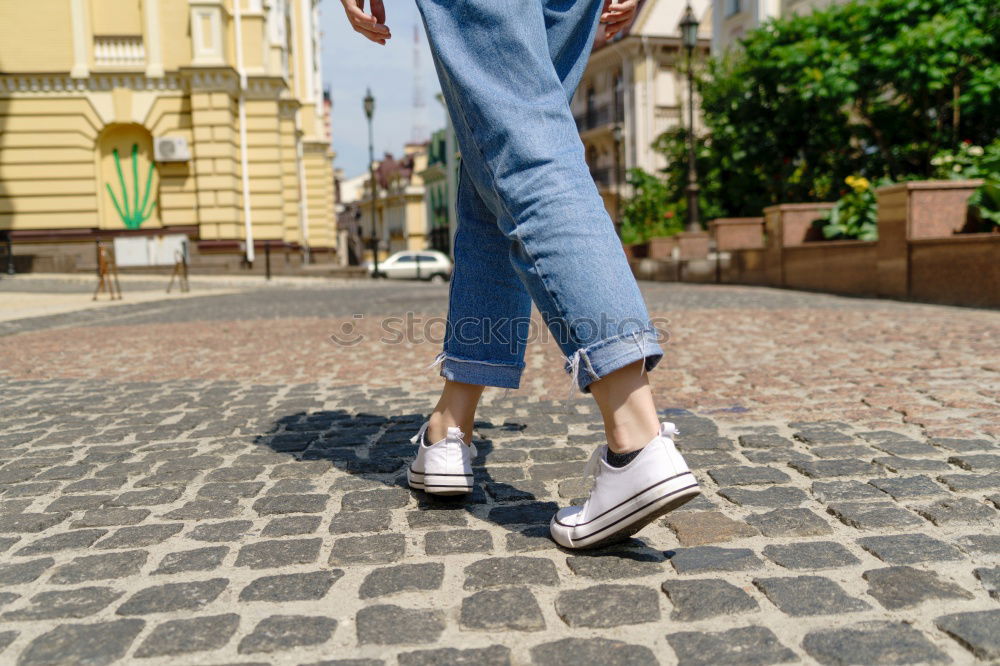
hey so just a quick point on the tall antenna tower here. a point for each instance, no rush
(419, 131)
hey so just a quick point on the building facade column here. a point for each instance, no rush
(321, 224)
(215, 153)
(153, 45)
(290, 158)
(264, 157)
(82, 38)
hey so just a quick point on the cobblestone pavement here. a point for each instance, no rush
(212, 480)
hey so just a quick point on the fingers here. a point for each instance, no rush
(378, 9)
(612, 29)
(618, 11)
(371, 26)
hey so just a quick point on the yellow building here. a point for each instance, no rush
(150, 117)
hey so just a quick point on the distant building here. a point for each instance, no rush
(400, 208)
(733, 19)
(124, 119)
(352, 189)
(440, 177)
(441, 182)
(633, 90)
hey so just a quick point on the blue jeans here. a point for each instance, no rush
(532, 226)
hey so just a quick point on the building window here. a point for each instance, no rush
(733, 7)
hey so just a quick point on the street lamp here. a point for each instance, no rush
(689, 34)
(369, 112)
(616, 133)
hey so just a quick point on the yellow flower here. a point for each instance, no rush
(857, 183)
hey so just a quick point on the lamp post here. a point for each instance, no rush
(689, 34)
(369, 112)
(616, 133)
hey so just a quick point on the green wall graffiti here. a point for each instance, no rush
(132, 215)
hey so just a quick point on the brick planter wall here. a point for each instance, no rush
(788, 225)
(920, 253)
(841, 267)
(693, 244)
(911, 211)
(737, 233)
(662, 247)
(959, 270)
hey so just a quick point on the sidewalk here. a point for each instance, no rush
(212, 480)
(40, 294)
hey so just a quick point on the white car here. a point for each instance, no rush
(414, 265)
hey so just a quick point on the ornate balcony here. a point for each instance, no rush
(119, 51)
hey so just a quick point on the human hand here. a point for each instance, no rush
(616, 15)
(371, 25)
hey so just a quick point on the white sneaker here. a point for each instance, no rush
(443, 468)
(626, 499)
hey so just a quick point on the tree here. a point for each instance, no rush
(650, 211)
(872, 88)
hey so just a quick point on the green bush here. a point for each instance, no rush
(972, 161)
(673, 145)
(968, 161)
(984, 204)
(875, 88)
(650, 212)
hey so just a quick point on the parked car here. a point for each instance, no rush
(409, 265)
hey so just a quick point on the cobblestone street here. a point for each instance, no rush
(212, 480)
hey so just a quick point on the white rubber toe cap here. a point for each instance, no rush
(563, 523)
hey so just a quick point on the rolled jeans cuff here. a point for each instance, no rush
(481, 373)
(601, 358)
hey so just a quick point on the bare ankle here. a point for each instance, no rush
(455, 407)
(439, 423)
(629, 436)
(626, 403)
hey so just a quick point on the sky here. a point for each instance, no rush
(351, 64)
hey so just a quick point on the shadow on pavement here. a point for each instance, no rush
(375, 450)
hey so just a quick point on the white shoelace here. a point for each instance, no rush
(418, 438)
(593, 467)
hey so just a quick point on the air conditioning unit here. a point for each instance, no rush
(171, 149)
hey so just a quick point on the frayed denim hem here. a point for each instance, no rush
(590, 363)
(480, 373)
